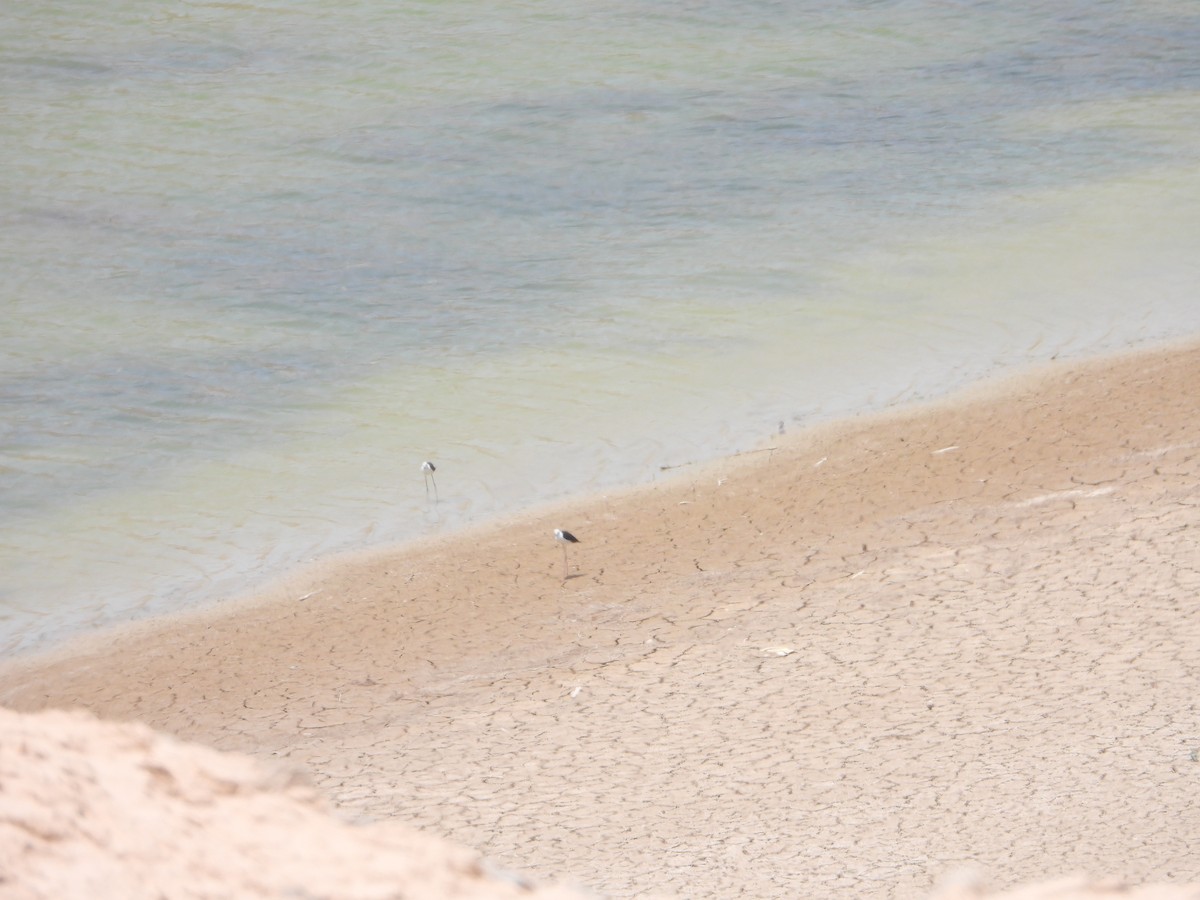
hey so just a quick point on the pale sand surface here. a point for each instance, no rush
(115, 811)
(102, 811)
(964, 635)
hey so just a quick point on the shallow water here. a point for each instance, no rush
(262, 260)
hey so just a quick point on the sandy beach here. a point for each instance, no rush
(857, 659)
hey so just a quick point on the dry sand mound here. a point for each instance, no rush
(101, 810)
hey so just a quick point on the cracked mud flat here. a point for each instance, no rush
(965, 635)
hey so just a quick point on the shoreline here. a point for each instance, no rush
(899, 642)
(278, 587)
(111, 612)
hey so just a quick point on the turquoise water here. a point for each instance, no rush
(262, 259)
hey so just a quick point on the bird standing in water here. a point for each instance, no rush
(428, 469)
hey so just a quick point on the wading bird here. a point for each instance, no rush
(564, 538)
(428, 469)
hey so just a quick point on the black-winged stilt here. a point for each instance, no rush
(428, 469)
(564, 538)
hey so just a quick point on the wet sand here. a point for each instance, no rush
(879, 651)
